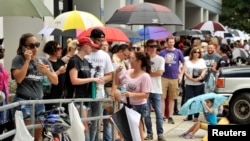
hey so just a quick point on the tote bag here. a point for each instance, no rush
(76, 130)
(22, 134)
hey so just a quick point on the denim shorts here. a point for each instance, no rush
(39, 108)
(142, 109)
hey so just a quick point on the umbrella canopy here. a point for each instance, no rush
(195, 104)
(239, 52)
(112, 34)
(222, 34)
(154, 32)
(186, 33)
(129, 33)
(211, 26)
(75, 20)
(50, 31)
(54, 31)
(144, 13)
(126, 121)
(30, 8)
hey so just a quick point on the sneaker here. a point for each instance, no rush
(189, 136)
(183, 135)
(161, 138)
(170, 120)
(148, 137)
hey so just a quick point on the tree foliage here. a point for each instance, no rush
(236, 14)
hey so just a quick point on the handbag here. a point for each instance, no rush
(197, 73)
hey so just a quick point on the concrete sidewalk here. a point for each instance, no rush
(171, 131)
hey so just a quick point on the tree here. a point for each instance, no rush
(236, 14)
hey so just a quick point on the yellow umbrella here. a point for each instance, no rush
(75, 20)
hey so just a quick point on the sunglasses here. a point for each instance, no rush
(152, 46)
(58, 48)
(196, 52)
(2, 50)
(32, 46)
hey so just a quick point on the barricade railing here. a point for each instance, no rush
(33, 126)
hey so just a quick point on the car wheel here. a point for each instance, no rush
(240, 109)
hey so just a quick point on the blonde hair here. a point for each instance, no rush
(72, 44)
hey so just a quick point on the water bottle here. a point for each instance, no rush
(123, 89)
(93, 90)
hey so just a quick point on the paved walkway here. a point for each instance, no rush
(171, 131)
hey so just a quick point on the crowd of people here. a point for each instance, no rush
(152, 77)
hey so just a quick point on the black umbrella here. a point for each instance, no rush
(126, 120)
(144, 13)
(130, 33)
(186, 33)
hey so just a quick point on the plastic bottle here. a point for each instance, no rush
(93, 88)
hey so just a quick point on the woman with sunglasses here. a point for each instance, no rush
(54, 50)
(28, 70)
(194, 85)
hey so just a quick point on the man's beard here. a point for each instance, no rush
(210, 52)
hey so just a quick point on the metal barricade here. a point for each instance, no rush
(33, 126)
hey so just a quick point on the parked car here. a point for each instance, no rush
(234, 82)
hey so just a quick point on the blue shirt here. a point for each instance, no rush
(211, 118)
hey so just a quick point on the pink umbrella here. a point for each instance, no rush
(210, 25)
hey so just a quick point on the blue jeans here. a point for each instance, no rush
(39, 108)
(107, 128)
(155, 100)
(95, 110)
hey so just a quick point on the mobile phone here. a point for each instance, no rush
(23, 49)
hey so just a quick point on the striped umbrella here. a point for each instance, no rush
(75, 20)
(211, 26)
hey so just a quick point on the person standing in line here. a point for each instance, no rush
(6, 123)
(78, 75)
(194, 83)
(102, 67)
(71, 50)
(171, 76)
(118, 59)
(54, 50)
(28, 70)
(210, 58)
(157, 69)
(224, 61)
(137, 83)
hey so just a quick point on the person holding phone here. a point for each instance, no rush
(28, 70)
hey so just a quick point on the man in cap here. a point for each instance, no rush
(101, 68)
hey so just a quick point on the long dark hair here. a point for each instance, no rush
(145, 60)
(22, 42)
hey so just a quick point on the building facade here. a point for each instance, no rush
(190, 12)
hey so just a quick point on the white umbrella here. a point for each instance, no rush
(239, 52)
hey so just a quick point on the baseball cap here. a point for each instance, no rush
(87, 41)
(97, 33)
